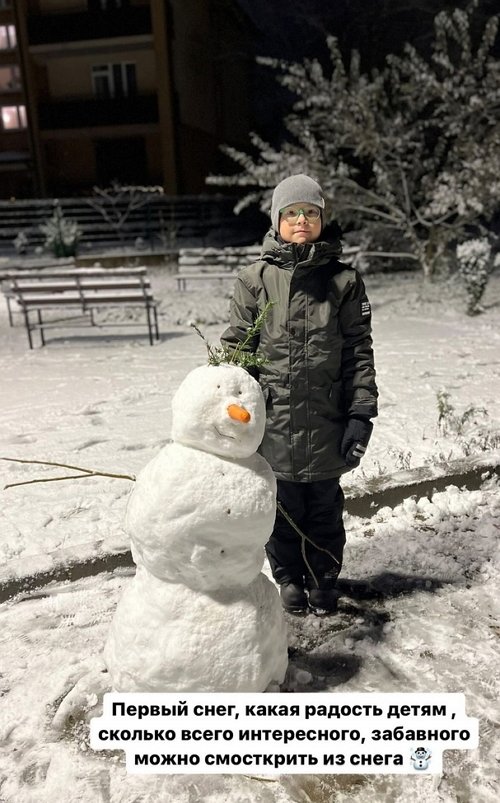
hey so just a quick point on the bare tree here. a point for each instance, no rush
(117, 203)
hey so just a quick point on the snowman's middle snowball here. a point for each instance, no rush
(200, 519)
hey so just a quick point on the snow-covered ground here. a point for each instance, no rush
(420, 609)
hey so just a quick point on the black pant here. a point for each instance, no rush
(316, 508)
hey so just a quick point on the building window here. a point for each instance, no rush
(106, 5)
(114, 80)
(13, 117)
(10, 78)
(8, 39)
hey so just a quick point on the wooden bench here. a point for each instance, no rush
(82, 289)
(183, 278)
(219, 264)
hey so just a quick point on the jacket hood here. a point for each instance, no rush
(287, 255)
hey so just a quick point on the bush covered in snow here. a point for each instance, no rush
(474, 259)
(21, 243)
(61, 234)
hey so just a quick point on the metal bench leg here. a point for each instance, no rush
(157, 331)
(40, 322)
(9, 311)
(28, 327)
(150, 330)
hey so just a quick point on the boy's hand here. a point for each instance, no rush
(356, 437)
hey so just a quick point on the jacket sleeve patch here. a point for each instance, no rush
(365, 307)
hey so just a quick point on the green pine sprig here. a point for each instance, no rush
(240, 355)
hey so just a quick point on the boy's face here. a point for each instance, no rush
(300, 223)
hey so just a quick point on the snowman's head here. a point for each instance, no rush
(220, 409)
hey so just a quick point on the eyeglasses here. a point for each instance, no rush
(292, 213)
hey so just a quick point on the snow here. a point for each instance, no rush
(419, 610)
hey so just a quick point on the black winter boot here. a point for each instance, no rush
(293, 597)
(323, 600)
(323, 595)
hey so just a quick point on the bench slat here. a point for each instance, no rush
(85, 284)
(70, 273)
(56, 300)
(183, 278)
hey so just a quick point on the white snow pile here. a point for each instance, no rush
(410, 620)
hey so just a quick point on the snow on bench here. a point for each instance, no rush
(81, 288)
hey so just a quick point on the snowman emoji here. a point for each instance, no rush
(420, 758)
(199, 615)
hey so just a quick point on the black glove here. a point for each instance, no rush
(356, 436)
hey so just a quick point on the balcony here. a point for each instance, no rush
(45, 29)
(95, 112)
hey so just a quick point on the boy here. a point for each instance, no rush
(318, 382)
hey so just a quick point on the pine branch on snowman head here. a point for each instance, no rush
(241, 355)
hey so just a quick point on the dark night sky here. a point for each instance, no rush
(297, 29)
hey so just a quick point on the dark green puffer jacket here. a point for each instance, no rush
(317, 340)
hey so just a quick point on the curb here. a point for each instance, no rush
(363, 502)
(392, 495)
(64, 572)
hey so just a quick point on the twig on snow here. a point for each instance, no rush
(86, 472)
(304, 538)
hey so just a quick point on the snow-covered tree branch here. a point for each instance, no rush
(409, 155)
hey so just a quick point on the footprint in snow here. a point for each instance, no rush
(21, 439)
(133, 447)
(91, 409)
(89, 443)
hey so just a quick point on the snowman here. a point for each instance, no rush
(199, 615)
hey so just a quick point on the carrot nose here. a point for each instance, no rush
(238, 413)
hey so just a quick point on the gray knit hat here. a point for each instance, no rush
(293, 190)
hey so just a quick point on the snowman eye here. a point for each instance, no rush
(218, 386)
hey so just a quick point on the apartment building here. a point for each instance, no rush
(139, 91)
(15, 155)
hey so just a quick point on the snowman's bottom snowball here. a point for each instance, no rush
(168, 638)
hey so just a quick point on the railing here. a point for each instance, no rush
(165, 223)
(78, 26)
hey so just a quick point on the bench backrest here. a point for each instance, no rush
(87, 284)
(7, 276)
(208, 260)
